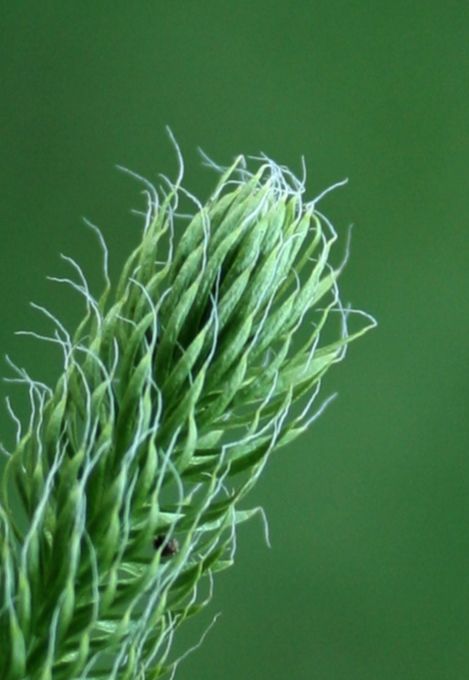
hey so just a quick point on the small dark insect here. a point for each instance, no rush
(170, 547)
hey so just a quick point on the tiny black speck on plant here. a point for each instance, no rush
(170, 547)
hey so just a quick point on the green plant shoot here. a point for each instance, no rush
(121, 498)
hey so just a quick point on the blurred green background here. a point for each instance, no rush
(368, 577)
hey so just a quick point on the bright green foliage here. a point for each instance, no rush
(175, 390)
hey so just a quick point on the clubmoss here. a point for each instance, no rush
(122, 496)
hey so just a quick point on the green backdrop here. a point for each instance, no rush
(368, 576)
